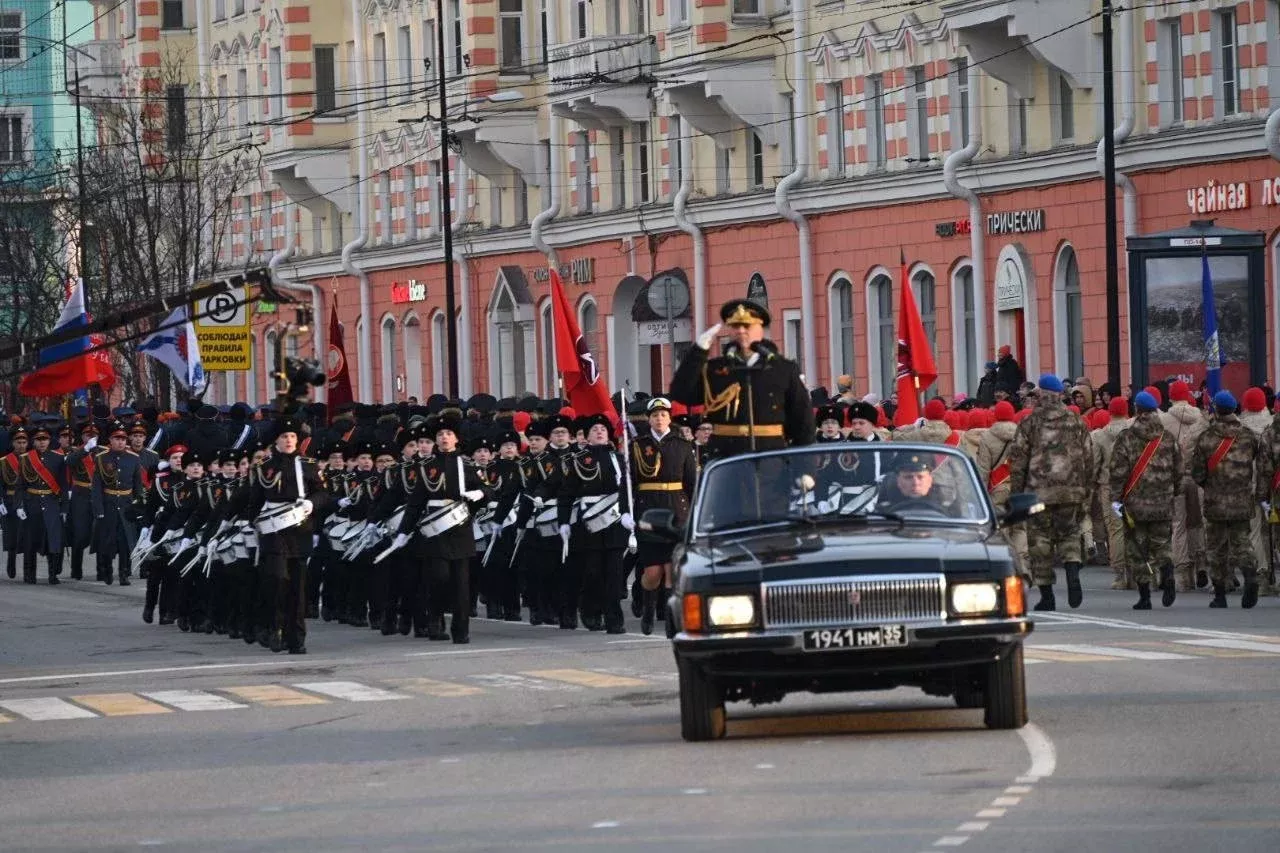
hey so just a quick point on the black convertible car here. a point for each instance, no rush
(845, 567)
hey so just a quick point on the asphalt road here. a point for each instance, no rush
(1150, 732)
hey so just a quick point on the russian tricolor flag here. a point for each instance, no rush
(67, 367)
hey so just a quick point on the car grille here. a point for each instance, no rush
(854, 601)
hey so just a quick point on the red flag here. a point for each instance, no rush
(582, 384)
(916, 368)
(336, 364)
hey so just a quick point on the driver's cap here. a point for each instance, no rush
(912, 463)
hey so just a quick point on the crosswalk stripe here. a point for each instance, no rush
(351, 691)
(431, 687)
(1238, 645)
(194, 700)
(1039, 654)
(1111, 652)
(120, 704)
(273, 695)
(46, 708)
(586, 678)
(520, 682)
(4, 719)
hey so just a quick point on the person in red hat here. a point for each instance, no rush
(1254, 415)
(934, 430)
(992, 459)
(1186, 422)
(1008, 372)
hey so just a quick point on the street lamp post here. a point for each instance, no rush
(1109, 201)
(446, 210)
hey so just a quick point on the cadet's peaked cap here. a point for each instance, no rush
(117, 428)
(744, 312)
(912, 462)
(655, 404)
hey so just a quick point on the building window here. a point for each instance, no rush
(384, 213)
(326, 79)
(404, 54)
(238, 7)
(925, 289)
(589, 324)
(793, 334)
(547, 346)
(380, 92)
(1071, 316)
(1066, 112)
(512, 33)
(960, 103)
(841, 314)
(746, 7)
(1229, 67)
(582, 156)
(674, 148)
(242, 102)
(508, 343)
(918, 116)
(1171, 71)
(522, 200)
(789, 99)
(10, 36)
(1018, 129)
(582, 19)
(542, 31)
(220, 10)
(413, 357)
(724, 162)
(224, 130)
(410, 207)
(967, 374)
(388, 359)
(642, 162)
(618, 153)
(171, 15)
(277, 82)
(495, 203)
(680, 12)
(175, 100)
(429, 48)
(12, 143)
(835, 128)
(439, 352)
(455, 16)
(876, 141)
(884, 335)
(757, 160)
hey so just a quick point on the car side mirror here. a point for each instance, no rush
(661, 523)
(1021, 507)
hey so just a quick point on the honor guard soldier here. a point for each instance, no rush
(160, 507)
(45, 497)
(285, 490)
(544, 556)
(751, 395)
(80, 467)
(149, 458)
(664, 471)
(117, 494)
(508, 472)
(11, 476)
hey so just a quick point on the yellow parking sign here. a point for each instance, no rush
(223, 329)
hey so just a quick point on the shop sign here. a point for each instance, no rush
(1270, 192)
(1214, 197)
(1010, 286)
(756, 290)
(405, 292)
(659, 332)
(578, 271)
(951, 229)
(222, 330)
(264, 307)
(1015, 222)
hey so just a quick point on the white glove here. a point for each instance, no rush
(163, 466)
(144, 533)
(186, 544)
(1266, 507)
(91, 442)
(628, 522)
(708, 337)
(474, 495)
(344, 503)
(400, 541)
(308, 506)
(564, 531)
(315, 541)
(22, 514)
(537, 502)
(4, 510)
(1117, 508)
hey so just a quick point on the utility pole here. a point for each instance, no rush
(446, 209)
(80, 214)
(1109, 201)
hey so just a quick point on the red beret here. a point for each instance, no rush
(1155, 392)
(1004, 412)
(1179, 391)
(569, 412)
(935, 410)
(1075, 409)
(1254, 400)
(1119, 407)
(521, 421)
(1101, 419)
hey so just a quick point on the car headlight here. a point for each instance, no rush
(731, 611)
(974, 599)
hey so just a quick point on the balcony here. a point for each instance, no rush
(720, 98)
(602, 81)
(99, 66)
(1008, 37)
(315, 178)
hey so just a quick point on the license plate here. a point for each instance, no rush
(873, 637)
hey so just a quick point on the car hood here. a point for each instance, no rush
(806, 552)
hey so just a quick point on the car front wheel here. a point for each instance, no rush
(1006, 693)
(702, 714)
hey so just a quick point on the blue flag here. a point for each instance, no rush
(1212, 347)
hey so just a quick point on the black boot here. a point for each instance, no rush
(1047, 601)
(1202, 579)
(277, 641)
(183, 624)
(649, 606)
(388, 626)
(1075, 594)
(53, 579)
(405, 625)
(1144, 597)
(148, 613)
(637, 599)
(1219, 595)
(1250, 595)
(1168, 587)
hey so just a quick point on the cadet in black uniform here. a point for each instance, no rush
(544, 555)
(45, 498)
(160, 506)
(118, 493)
(664, 471)
(752, 396)
(508, 480)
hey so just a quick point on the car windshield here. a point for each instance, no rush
(846, 481)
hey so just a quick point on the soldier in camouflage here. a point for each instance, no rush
(1269, 477)
(1186, 422)
(1106, 437)
(1223, 464)
(1050, 456)
(1145, 477)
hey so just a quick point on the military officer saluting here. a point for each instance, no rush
(752, 396)
(117, 493)
(44, 475)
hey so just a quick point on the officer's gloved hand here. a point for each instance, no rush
(564, 531)
(537, 502)
(708, 337)
(400, 541)
(1117, 508)
(344, 503)
(628, 522)
(315, 541)
(22, 514)
(308, 506)
(4, 510)
(473, 495)
(1266, 507)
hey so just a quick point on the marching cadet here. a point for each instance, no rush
(1145, 478)
(11, 476)
(80, 466)
(353, 575)
(1050, 456)
(1269, 480)
(398, 480)
(508, 472)
(117, 493)
(285, 491)
(1186, 422)
(160, 506)
(481, 453)
(752, 396)
(595, 521)
(44, 498)
(187, 497)
(664, 470)
(1106, 437)
(548, 550)
(331, 593)
(383, 603)
(1222, 463)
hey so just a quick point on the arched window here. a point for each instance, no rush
(269, 365)
(439, 352)
(291, 345)
(840, 312)
(589, 324)
(966, 326)
(1069, 312)
(413, 357)
(510, 336)
(882, 334)
(925, 288)
(388, 359)
(546, 344)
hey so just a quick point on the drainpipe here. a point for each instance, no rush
(361, 217)
(800, 70)
(679, 211)
(318, 320)
(1125, 128)
(555, 127)
(977, 239)
(462, 181)
(1273, 148)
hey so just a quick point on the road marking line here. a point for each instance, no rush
(1238, 645)
(1039, 654)
(4, 719)
(520, 682)
(351, 691)
(1106, 622)
(636, 641)
(1044, 756)
(273, 695)
(1027, 780)
(586, 678)
(973, 826)
(951, 841)
(66, 676)
(431, 687)
(1006, 801)
(194, 700)
(991, 813)
(120, 704)
(46, 708)
(1113, 651)
(450, 652)
(605, 824)
(1018, 789)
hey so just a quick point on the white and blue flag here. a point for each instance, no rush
(175, 346)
